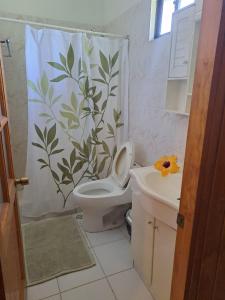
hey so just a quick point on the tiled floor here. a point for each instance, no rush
(113, 277)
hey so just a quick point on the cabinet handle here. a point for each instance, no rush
(185, 62)
(150, 222)
(156, 227)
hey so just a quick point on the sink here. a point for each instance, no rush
(165, 189)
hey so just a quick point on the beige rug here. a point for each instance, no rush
(54, 247)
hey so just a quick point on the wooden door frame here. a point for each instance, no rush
(11, 247)
(199, 266)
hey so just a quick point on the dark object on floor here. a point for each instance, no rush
(128, 219)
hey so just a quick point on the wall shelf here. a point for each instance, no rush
(179, 87)
(176, 112)
(177, 78)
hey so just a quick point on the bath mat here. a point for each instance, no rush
(54, 247)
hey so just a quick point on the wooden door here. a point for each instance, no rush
(199, 268)
(12, 277)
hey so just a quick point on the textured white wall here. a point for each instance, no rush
(115, 8)
(154, 131)
(77, 11)
(18, 104)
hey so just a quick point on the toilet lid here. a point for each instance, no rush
(122, 164)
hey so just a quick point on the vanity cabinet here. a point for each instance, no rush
(153, 246)
(142, 240)
(163, 258)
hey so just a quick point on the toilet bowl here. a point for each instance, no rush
(105, 201)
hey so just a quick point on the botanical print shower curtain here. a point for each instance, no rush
(77, 111)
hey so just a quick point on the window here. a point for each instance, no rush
(164, 10)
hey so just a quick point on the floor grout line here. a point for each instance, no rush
(110, 275)
(49, 296)
(122, 239)
(92, 281)
(108, 243)
(59, 288)
(114, 293)
(81, 285)
(106, 276)
(125, 236)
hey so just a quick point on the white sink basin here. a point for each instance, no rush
(163, 189)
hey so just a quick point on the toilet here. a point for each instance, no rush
(105, 201)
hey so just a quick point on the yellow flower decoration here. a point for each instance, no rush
(167, 165)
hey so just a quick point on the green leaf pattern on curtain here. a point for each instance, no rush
(91, 155)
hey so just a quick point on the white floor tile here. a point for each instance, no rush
(56, 297)
(98, 290)
(128, 286)
(115, 257)
(105, 237)
(72, 280)
(43, 290)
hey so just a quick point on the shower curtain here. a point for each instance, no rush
(77, 113)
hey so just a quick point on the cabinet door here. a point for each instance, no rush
(182, 39)
(163, 257)
(142, 240)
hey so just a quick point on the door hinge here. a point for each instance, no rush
(180, 220)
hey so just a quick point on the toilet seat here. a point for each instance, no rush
(122, 164)
(111, 186)
(99, 189)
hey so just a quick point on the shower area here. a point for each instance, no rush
(68, 103)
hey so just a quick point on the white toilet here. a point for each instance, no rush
(105, 201)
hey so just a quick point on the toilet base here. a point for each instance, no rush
(98, 221)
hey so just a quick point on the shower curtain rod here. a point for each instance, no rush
(63, 28)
